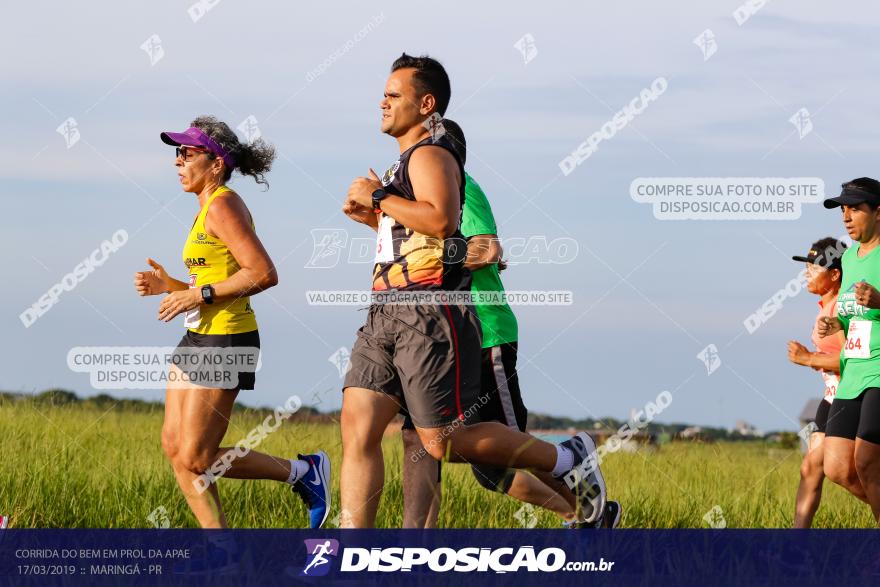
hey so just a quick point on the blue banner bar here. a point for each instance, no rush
(557, 557)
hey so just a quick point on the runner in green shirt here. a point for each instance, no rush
(478, 225)
(499, 382)
(852, 435)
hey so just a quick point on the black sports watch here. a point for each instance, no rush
(208, 294)
(378, 196)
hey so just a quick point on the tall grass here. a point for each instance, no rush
(78, 466)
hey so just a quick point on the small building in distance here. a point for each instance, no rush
(743, 428)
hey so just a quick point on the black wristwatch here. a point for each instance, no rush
(208, 294)
(378, 196)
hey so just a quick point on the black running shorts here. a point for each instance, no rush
(856, 418)
(194, 349)
(821, 419)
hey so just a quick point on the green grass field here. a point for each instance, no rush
(75, 466)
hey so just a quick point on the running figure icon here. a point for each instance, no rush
(318, 553)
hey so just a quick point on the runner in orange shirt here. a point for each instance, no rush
(823, 279)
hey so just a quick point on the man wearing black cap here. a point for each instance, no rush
(863, 190)
(852, 435)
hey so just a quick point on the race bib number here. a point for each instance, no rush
(831, 382)
(858, 340)
(384, 242)
(193, 318)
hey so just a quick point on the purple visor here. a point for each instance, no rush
(194, 137)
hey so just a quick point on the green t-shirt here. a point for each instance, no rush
(860, 356)
(498, 321)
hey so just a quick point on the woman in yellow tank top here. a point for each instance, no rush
(226, 264)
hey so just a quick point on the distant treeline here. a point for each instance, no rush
(660, 431)
(64, 397)
(663, 432)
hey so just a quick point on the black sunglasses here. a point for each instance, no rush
(185, 151)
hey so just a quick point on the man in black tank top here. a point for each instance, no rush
(416, 261)
(425, 358)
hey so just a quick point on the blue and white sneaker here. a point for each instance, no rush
(314, 487)
(585, 478)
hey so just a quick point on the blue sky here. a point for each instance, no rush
(649, 294)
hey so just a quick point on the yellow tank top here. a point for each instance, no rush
(208, 260)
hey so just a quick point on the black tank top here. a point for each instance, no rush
(406, 259)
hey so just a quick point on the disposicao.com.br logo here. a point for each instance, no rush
(318, 551)
(441, 560)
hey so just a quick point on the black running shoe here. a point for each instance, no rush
(609, 520)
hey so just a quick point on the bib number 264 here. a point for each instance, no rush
(858, 340)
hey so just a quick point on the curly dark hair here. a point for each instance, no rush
(254, 159)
